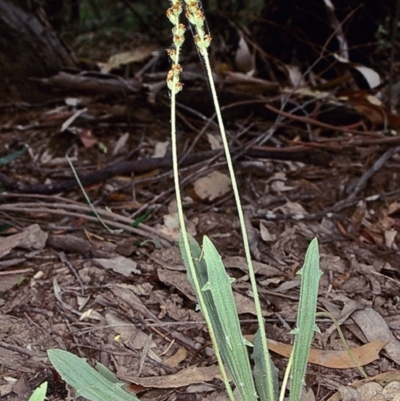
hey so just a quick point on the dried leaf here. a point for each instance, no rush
(87, 138)
(244, 60)
(161, 149)
(371, 108)
(14, 277)
(239, 262)
(372, 77)
(215, 141)
(185, 377)
(133, 56)
(174, 360)
(171, 229)
(295, 75)
(129, 334)
(120, 144)
(278, 182)
(212, 186)
(31, 237)
(333, 359)
(265, 234)
(385, 380)
(119, 264)
(374, 327)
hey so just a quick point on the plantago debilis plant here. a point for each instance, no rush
(209, 279)
(190, 252)
(215, 296)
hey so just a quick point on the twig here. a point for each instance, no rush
(21, 350)
(64, 260)
(32, 208)
(362, 182)
(307, 120)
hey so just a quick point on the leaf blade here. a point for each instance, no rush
(85, 380)
(310, 276)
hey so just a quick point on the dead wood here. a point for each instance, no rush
(302, 154)
(90, 83)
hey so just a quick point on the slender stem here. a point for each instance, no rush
(88, 199)
(197, 19)
(186, 245)
(344, 342)
(286, 378)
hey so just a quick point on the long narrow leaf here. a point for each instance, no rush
(260, 372)
(230, 342)
(198, 278)
(310, 276)
(230, 338)
(85, 380)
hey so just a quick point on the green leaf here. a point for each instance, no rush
(310, 276)
(9, 158)
(260, 372)
(85, 380)
(221, 309)
(40, 393)
(230, 338)
(199, 263)
(106, 373)
(197, 274)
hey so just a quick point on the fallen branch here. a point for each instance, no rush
(297, 153)
(89, 83)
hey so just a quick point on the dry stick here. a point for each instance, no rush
(362, 182)
(138, 166)
(372, 137)
(307, 120)
(22, 350)
(142, 165)
(339, 143)
(31, 207)
(152, 235)
(65, 260)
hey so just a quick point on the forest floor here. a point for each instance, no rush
(311, 167)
